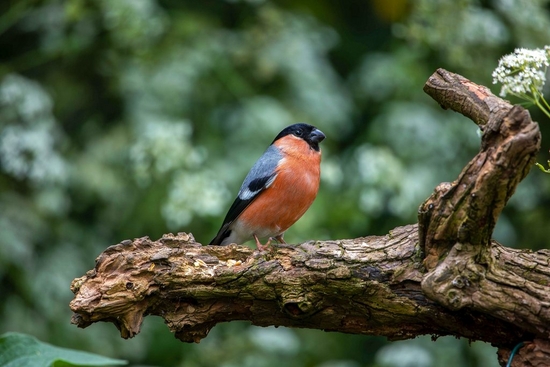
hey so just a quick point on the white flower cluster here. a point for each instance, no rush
(29, 133)
(523, 72)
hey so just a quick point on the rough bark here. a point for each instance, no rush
(444, 276)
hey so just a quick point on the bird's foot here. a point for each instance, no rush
(259, 245)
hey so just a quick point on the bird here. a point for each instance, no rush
(279, 188)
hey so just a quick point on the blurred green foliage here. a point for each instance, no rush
(125, 118)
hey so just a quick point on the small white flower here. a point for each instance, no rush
(523, 72)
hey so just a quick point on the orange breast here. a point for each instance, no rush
(291, 194)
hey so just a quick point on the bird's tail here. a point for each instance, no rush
(222, 235)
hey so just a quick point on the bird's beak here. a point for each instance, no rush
(317, 136)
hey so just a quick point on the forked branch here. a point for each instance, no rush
(444, 276)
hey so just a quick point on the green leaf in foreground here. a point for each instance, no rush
(20, 350)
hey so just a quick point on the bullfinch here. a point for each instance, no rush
(277, 191)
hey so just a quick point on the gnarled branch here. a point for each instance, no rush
(443, 276)
(367, 285)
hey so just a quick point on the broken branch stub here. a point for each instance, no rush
(466, 210)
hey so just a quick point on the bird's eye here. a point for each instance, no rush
(299, 132)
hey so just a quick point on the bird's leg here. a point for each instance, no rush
(280, 239)
(259, 244)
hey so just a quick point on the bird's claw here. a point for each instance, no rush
(259, 245)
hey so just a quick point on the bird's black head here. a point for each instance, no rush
(309, 133)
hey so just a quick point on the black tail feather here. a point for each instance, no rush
(222, 235)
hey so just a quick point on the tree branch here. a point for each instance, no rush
(443, 276)
(466, 210)
(364, 286)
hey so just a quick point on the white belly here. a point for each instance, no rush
(241, 233)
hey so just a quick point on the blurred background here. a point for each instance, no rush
(126, 118)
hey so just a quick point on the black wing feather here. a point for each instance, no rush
(239, 205)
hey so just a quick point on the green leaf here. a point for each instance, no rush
(20, 350)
